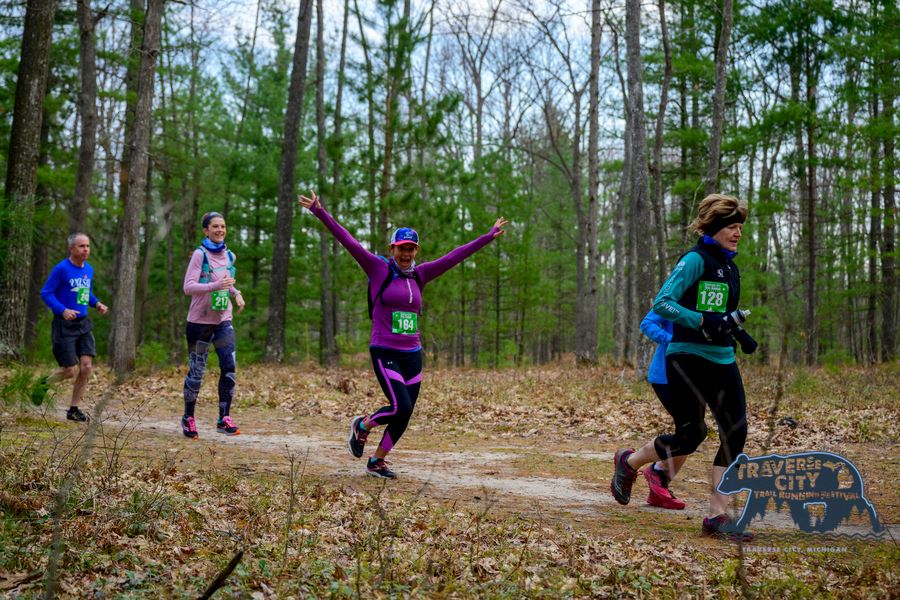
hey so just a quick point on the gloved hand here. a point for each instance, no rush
(715, 326)
(748, 344)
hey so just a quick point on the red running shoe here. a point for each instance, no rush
(660, 495)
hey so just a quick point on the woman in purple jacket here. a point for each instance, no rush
(395, 294)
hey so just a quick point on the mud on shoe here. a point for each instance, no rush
(356, 442)
(623, 477)
(660, 495)
(378, 467)
(226, 425)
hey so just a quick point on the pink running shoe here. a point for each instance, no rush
(226, 425)
(189, 428)
(660, 495)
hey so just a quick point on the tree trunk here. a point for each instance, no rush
(137, 14)
(123, 352)
(40, 256)
(21, 174)
(588, 335)
(87, 106)
(642, 271)
(328, 352)
(888, 248)
(659, 211)
(715, 141)
(284, 224)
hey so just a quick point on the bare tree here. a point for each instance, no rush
(21, 173)
(123, 317)
(328, 351)
(659, 212)
(642, 271)
(715, 139)
(284, 225)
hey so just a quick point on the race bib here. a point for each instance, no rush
(84, 296)
(712, 296)
(406, 323)
(219, 300)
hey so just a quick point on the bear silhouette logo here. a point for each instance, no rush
(820, 480)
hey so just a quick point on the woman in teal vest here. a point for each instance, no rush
(700, 293)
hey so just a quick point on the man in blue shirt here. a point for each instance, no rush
(68, 292)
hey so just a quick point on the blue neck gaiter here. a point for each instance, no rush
(211, 246)
(711, 242)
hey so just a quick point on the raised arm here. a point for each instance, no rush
(368, 261)
(686, 272)
(436, 268)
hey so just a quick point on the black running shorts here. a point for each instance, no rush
(71, 340)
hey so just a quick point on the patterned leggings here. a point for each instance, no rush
(200, 336)
(400, 375)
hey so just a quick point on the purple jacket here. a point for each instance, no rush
(402, 294)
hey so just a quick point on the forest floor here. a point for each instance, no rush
(502, 490)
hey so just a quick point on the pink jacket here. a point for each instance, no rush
(201, 293)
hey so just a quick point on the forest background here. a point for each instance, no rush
(595, 127)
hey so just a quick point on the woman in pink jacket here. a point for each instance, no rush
(209, 281)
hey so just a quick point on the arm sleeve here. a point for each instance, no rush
(652, 327)
(686, 273)
(436, 268)
(192, 285)
(368, 261)
(93, 300)
(48, 292)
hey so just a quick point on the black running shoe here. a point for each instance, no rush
(74, 414)
(357, 440)
(39, 391)
(623, 477)
(721, 526)
(378, 467)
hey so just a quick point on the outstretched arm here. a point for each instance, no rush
(436, 268)
(368, 261)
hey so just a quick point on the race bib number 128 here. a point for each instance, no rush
(712, 296)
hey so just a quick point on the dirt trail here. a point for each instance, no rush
(480, 473)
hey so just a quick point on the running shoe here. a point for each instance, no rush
(357, 440)
(189, 427)
(226, 425)
(623, 477)
(660, 495)
(74, 414)
(378, 467)
(721, 526)
(39, 391)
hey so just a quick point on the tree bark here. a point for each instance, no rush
(642, 271)
(21, 174)
(328, 351)
(284, 224)
(658, 204)
(123, 352)
(87, 106)
(715, 141)
(586, 351)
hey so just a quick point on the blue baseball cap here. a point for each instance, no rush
(405, 235)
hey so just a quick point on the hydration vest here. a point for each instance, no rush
(718, 268)
(205, 269)
(393, 273)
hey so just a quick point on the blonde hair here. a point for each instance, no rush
(718, 208)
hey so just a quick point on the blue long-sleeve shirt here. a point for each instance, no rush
(69, 286)
(659, 330)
